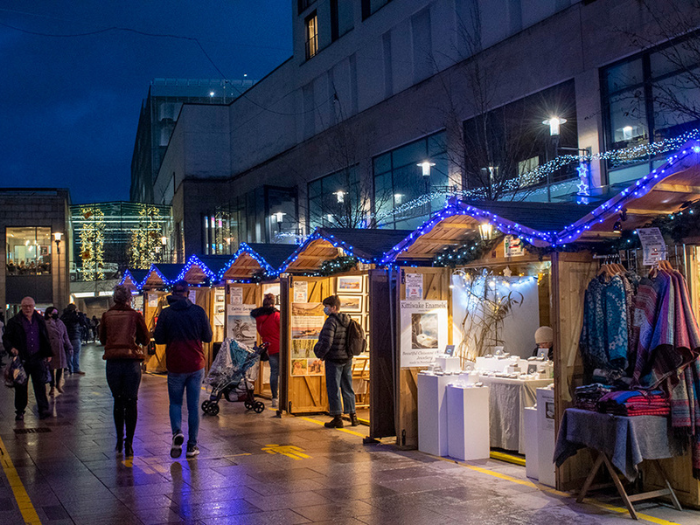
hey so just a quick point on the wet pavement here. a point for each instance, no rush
(253, 469)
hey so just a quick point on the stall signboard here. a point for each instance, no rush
(653, 245)
(193, 296)
(153, 300)
(423, 332)
(240, 325)
(307, 321)
(236, 294)
(513, 246)
(414, 286)
(138, 303)
(301, 291)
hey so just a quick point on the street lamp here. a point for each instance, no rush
(340, 195)
(554, 124)
(57, 239)
(425, 168)
(485, 231)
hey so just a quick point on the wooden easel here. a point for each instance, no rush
(602, 459)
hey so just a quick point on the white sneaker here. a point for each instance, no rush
(275, 404)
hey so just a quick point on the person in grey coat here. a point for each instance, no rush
(61, 348)
(331, 349)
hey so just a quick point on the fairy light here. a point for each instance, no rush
(245, 249)
(194, 261)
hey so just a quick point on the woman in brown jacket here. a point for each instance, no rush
(122, 330)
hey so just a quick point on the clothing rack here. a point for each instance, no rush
(633, 259)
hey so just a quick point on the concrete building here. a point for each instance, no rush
(35, 235)
(335, 135)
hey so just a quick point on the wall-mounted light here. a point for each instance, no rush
(485, 231)
(57, 239)
(340, 195)
(554, 124)
(425, 166)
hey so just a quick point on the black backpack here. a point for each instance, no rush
(355, 342)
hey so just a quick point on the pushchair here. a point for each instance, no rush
(232, 376)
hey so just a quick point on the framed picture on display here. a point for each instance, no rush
(350, 303)
(366, 325)
(356, 317)
(219, 298)
(350, 284)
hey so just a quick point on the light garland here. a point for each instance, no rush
(92, 243)
(244, 248)
(319, 234)
(192, 262)
(145, 238)
(541, 172)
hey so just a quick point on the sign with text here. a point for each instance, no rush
(236, 294)
(423, 332)
(414, 286)
(513, 246)
(653, 245)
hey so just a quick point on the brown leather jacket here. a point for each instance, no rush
(121, 331)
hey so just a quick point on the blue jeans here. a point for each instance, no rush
(339, 378)
(177, 384)
(274, 373)
(74, 362)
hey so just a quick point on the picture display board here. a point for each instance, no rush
(423, 331)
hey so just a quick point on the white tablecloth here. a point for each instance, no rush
(508, 399)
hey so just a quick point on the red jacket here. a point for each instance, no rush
(267, 321)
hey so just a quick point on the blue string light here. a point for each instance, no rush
(244, 249)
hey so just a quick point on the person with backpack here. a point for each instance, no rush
(332, 349)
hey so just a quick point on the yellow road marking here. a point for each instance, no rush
(544, 488)
(352, 432)
(291, 451)
(23, 502)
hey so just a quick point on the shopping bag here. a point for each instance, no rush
(46, 373)
(16, 372)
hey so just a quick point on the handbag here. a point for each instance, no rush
(15, 373)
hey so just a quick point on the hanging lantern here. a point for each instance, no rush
(485, 231)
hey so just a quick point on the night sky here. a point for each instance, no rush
(69, 105)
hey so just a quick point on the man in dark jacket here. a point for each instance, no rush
(182, 328)
(331, 348)
(74, 324)
(26, 336)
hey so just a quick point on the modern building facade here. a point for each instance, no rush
(36, 237)
(386, 108)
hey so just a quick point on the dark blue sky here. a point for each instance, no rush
(69, 106)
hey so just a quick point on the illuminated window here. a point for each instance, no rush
(311, 24)
(28, 251)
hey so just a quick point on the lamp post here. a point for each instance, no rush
(164, 242)
(554, 124)
(57, 239)
(425, 170)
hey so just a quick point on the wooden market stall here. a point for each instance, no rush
(133, 279)
(668, 193)
(153, 290)
(430, 256)
(248, 276)
(331, 261)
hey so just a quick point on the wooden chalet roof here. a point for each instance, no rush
(254, 257)
(325, 244)
(133, 278)
(195, 271)
(666, 190)
(161, 274)
(457, 224)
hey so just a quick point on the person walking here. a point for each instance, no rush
(267, 321)
(183, 327)
(61, 348)
(95, 325)
(331, 349)
(122, 330)
(85, 323)
(26, 336)
(74, 324)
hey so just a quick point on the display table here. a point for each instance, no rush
(508, 399)
(432, 413)
(468, 427)
(622, 442)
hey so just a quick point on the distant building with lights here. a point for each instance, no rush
(36, 238)
(484, 93)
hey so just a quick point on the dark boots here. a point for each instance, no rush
(336, 422)
(353, 420)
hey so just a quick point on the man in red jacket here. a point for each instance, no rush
(267, 321)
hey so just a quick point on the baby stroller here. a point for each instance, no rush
(232, 375)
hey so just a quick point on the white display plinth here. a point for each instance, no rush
(531, 443)
(449, 364)
(546, 439)
(432, 413)
(468, 430)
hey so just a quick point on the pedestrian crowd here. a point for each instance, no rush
(46, 348)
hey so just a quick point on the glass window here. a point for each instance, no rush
(337, 200)
(623, 76)
(372, 6)
(311, 24)
(28, 251)
(628, 121)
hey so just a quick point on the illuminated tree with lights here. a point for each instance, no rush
(145, 246)
(92, 237)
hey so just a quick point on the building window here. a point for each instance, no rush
(303, 5)
(28, 251)
(336, 201)
(399, 180)
(649, 97)
(218, 235)
(369, 7)
(505, 144)
(311, 24)
(341, 18)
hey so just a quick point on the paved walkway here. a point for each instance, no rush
(253, 469)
